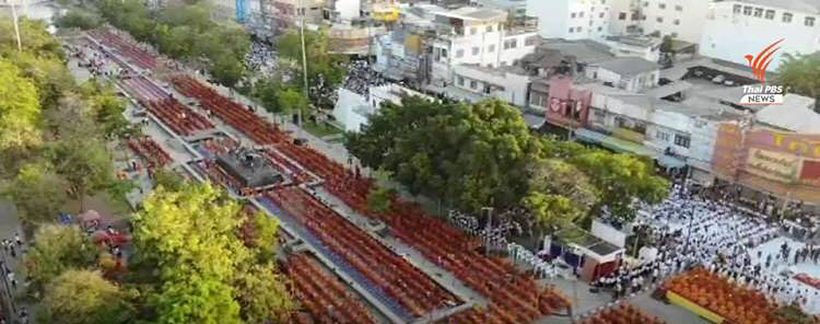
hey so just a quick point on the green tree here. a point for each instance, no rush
(19, 110)
(559, 193)
(292, 100)
(169, 180)
(799, 74)
(622, 180)
(38, 193)
(266, 91)
(379, 199)
(263, 295)
(323, 67)
(191, 235)
(85, 297)
(79, 18)
(57, 249)
(84, 163)
(470, 155)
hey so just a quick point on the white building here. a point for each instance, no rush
(476, 36)
(628, 73)
(681, 19)
(624, 16)
(571, 19)
(647, 48)
(735, 29)
(353, 110)
(509, 84)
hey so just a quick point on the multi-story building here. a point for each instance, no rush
(571, 19)
(624, 17)
(738, 28)
(516, 9)
(681, 19)
(478, 36)
(509, 83)
(632, 74)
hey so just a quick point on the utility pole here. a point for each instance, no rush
(16, 26)
(304, 60)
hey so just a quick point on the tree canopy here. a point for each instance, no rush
(19, 109)
(56, 249)
(85, 297)
(799, 73)
(185, 31)
(192, 236)
(480, 155)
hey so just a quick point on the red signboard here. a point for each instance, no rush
(811, 171)
(567, 106)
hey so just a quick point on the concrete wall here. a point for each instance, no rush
(730, 36)
(684, 18)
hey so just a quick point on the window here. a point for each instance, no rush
(600, 29)
(491, 48)
(758, 12)
(572, 15)
(682, 140)
(475, 51)
(460, 80)
(787, 17)
(571, 29)
(809, 21)
(659, 19)
(510, 43)
(737, 8)
(747, 10)
(674, 34)
(460, 53)
(473, 31)
(601, 15)
(676, 22)
(530, 41)
(663, 136)
(473, 84)
(769, 14)
(678, 8)
(662, 5)
(635, 16)
(581, 14)
(489, 28)
(579, 29)
(646, 3)
(622, 16)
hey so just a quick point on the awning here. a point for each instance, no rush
(670, 162)
(534, 121)
(622, 146)
(615, 144)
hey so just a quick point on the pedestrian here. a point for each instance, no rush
(18, 239)
(13, 252)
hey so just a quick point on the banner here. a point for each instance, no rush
(773, 165)
(810, 172)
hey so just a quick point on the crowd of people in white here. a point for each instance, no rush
(689, 230)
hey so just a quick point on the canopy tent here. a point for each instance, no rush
(587, 253)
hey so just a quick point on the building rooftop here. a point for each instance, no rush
(643, 41)
(474, 14)
(629, 65)
(806, 6)
(795, 114)
(584, 51)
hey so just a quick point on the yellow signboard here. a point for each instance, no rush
(773, 165)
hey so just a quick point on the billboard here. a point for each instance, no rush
(568, 106)
(773, 165)
(788, 158)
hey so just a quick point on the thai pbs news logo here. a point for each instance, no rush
(763, 93)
